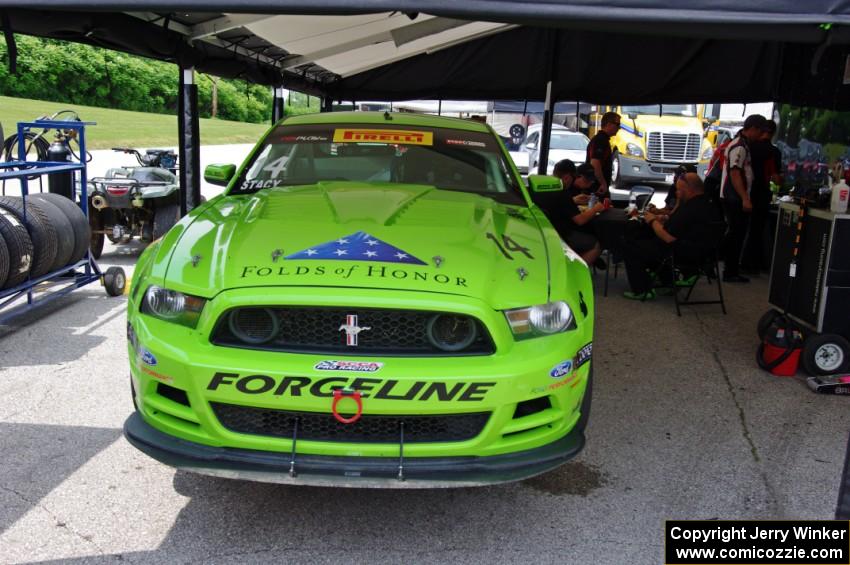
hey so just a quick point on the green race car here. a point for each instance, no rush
(373, 301)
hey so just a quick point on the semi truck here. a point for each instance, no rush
(653, 140)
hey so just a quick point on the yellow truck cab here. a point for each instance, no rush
(709, 115)
(653, 140)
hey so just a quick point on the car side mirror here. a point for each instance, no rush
(544, 183)
(219, 174)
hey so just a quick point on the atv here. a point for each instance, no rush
(130, 202)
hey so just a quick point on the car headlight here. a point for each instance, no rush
(543, 319)
(634, 150)
(172, 306)
(707, 154)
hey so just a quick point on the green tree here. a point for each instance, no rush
(75, 73)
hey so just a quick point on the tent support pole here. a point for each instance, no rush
(188, 133)
(546, 132)
(278, 97)
(578, 118)
(549, 108)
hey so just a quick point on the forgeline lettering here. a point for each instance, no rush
(369, 388)
(383, 136)
(373, 271)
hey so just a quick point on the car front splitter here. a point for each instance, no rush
(359, 472)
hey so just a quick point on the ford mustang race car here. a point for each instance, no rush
(373, 301)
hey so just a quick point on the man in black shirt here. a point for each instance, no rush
(671, 201)
(599, 151)
(687, 232)
(562, 209)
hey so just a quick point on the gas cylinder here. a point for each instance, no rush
(60, 183)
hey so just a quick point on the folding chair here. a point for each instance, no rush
(612, 263)
(707, 266)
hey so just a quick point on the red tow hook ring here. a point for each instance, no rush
(341, 393)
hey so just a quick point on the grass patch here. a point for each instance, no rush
(132, 129)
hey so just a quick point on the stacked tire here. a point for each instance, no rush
(46, 234)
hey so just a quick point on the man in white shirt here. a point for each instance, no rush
(735, 186)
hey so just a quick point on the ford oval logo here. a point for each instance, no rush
(561, 369)
(148, 357)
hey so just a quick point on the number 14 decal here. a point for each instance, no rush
(507, 244)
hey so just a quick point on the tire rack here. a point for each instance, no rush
(72, 276)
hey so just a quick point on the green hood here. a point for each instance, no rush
(263, 240)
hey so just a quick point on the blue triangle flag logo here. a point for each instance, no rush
(358, 246)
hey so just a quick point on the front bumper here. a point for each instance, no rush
(639, 170)
(421, 472)
(531, 389)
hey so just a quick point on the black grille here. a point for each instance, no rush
(368, 429)
(171, 393)
(318, 330)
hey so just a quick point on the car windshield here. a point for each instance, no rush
(447, 159)
(689, 110)
(568, 141)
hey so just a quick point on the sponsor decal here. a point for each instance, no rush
(147, 357)
(583, 355)
(573, 379)
(259, 184)
(158, 376)
(131, 337)
(355, 366)
(369, 271)
(561, 369)
(465, 142)
(379, 389)
(304, 138)
(405, 137)
(359, 246)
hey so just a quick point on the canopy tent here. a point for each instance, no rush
(631, 51)
(634, 51)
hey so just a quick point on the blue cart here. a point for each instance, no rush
(57, 283)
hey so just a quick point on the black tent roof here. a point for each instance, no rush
(630, 51)
(613, 68)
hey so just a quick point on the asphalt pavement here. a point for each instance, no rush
(683, 426)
